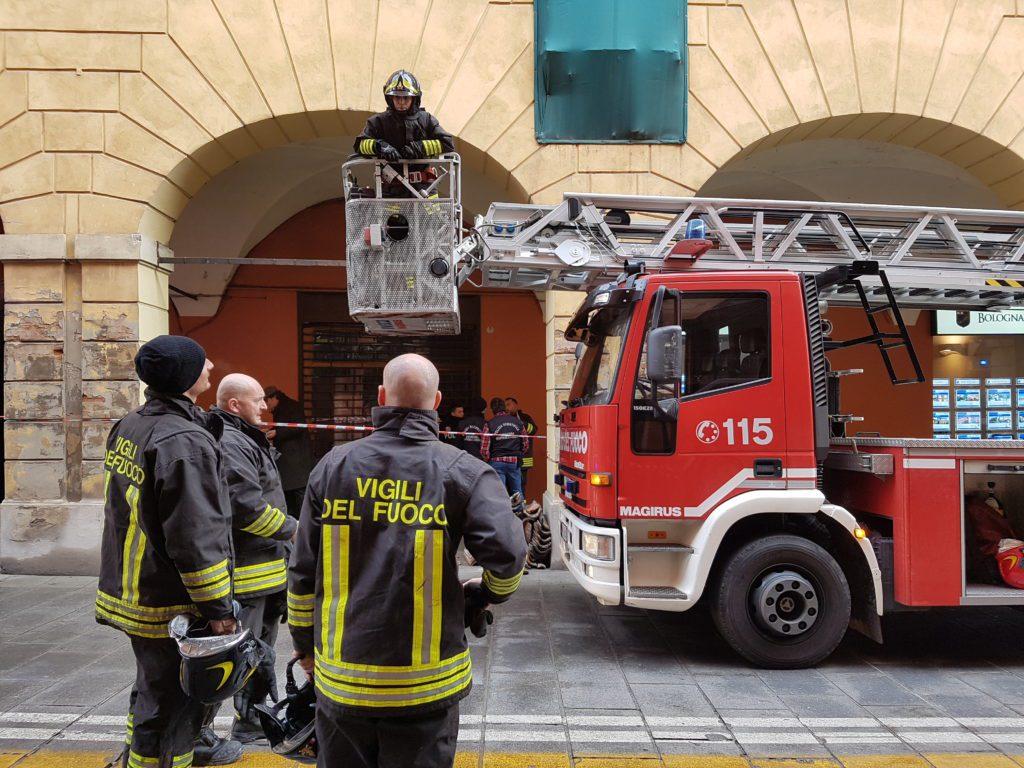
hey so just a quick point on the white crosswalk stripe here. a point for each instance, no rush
(916, 732)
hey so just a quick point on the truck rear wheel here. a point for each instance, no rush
(782, 602)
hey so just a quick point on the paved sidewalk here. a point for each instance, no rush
(560, 680)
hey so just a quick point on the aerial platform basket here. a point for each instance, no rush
(403, 223)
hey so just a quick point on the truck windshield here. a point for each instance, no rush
(597, 368)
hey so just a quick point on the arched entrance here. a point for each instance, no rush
(288, 324)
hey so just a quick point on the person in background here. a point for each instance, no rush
(503, 445)
(261, 532)
(450, 423)
(512, 406)
(296, 459)
(474, 422)
(166, 545)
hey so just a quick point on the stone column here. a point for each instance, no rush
(559, 307)
(76, 310)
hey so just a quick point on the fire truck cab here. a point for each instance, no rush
(698, 462)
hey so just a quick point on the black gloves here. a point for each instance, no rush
(477, 616)
(387, 152)
(413, 151)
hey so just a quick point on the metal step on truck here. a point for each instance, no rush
(703, 455)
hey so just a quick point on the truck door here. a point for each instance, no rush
(724, 431)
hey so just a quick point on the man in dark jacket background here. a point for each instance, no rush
(503, 446)
(473, 423)
(261, 530)
(374, 599)
(293, 445)
(166, 549)
(526, 464)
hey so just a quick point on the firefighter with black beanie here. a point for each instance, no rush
(166, 549)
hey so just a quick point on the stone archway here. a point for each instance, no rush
(876, 158)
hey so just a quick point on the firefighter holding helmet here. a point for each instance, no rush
(405, 130)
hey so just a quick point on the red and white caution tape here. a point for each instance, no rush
(354, 428)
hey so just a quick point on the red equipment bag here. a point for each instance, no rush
(1011, 562)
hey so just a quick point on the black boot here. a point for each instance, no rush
(246, 730)
(212, 750)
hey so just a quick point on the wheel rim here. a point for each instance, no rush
(785, 603)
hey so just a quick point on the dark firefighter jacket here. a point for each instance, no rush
(296, 459)
(531, 429)
(373, 586)
(167, 523)
(419, 126)
(507, 440)
(474, 425)
(260, 528)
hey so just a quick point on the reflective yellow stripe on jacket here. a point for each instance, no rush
(254, 578)
(364, 685)
(300, 610)
(135, 619)
(426, 612)
(335, 540)
(209, 583)
(501, 587)
(134, 547)
(267, 524)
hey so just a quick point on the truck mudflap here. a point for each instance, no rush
(593, 554)
(864, 620)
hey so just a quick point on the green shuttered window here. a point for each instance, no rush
(610, 71)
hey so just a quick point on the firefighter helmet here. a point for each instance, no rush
(214, 667)
(1011, 562)
(403, 83)
(289, 724)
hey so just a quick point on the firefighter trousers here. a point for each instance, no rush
(419, 741)
(162, 721)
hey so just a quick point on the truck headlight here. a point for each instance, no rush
(599, 547)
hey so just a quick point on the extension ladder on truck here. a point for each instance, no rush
(933, 257)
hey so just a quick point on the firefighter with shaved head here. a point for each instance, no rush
(375, 606)
(261, 529)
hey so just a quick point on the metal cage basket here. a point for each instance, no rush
(402, 229)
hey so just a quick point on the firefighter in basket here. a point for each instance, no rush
(405, 131)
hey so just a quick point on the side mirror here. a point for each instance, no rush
(665, 354)
(580, 349)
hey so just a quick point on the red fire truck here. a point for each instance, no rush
(702, 454)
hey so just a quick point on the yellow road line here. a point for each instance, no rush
(971, 761)
(61, 758)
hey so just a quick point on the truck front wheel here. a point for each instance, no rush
(781, 602)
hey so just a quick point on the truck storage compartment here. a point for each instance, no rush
(993, 510)
(919, 486)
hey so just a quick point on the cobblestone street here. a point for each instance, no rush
(562, 681)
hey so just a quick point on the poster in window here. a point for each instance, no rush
(968, 436)
(999, 397)
(968, 397)
(1000, 420)
(940, 398)
(940, 421)
(968, 420)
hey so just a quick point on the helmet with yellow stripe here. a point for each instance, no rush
(402, 82)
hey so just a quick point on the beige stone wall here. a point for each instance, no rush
(110, 121)
(115, 115)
